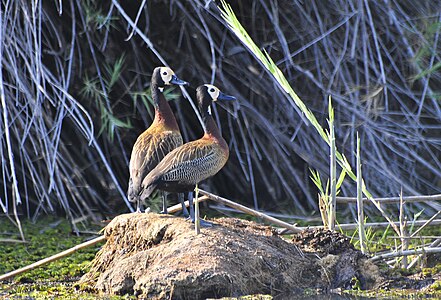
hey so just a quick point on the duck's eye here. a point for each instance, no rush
(212, 90)
(165, 73)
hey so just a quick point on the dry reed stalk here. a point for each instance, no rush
(406, 253)
(360, 211)
(403, 232)
(390, 200)
(352, 226)
(332, 170)
(435, 243)
(250, 211)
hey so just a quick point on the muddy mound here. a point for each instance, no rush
(346, 266)
(322, 242)
(159, 256)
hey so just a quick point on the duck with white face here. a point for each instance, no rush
(160, 138)
(168, 77)
(184, 167)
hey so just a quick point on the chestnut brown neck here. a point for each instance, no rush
(211, 129)
(163, 113)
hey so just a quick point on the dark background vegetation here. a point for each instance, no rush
(75, 96)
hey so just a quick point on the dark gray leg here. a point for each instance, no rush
(184, 208)
(190, 202)
(164, 203)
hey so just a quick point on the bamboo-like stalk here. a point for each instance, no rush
(352, 226)
(426, 224)
(391, 200)
(226, 209)
(405, 253)
(403, 232)
(250, 211)
(52, 258)
(434, 244)
(333, 169)
(178, 207)
(360, 211)
(415, 237)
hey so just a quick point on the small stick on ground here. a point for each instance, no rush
(407, 252)
(178, 207)
(250, 211)
(435, 243)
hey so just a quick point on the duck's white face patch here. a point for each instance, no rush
(166, 75)
(212, 91)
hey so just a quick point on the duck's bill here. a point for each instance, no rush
(225, 97)
(175, 80)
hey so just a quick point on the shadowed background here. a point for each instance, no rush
(75, 96)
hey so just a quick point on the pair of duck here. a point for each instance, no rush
(159, 158)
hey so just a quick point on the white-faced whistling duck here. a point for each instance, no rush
(184, 167)
(159, 139)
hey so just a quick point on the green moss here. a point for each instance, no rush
(46, 237)
(396, 294)
(436, 286)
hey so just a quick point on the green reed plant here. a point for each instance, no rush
(265, 59)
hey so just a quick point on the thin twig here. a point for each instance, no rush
(352, 226)
(427, 223)
(434, 244)
(407, 252)
(250, 211)
(388, 200)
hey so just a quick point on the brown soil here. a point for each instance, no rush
(160, 257)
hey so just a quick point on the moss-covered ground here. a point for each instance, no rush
(55, 280)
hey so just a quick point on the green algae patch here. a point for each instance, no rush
(47, 237)
(44, 238)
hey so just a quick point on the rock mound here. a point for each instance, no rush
(160, 257)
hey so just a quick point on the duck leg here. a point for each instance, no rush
(192, 217)
(138, 206)
(164, 203)
(190, 205)
(184, 208)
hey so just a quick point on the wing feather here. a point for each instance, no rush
(189, 163)
(148, 151)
